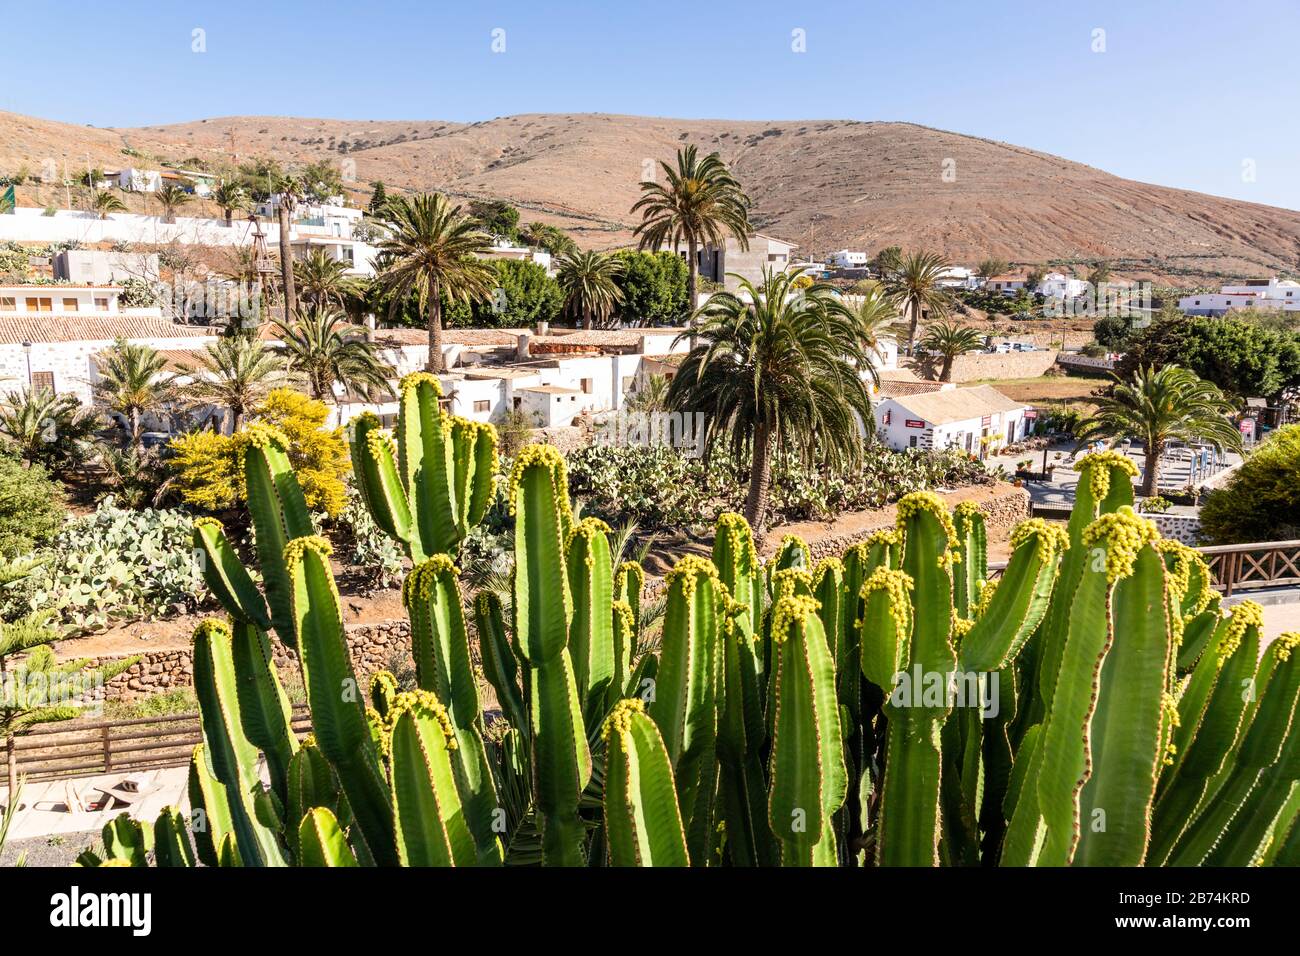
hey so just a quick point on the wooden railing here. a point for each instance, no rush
(86, 747)
(1237, 567)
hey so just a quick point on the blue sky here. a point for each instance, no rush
(1185, 92)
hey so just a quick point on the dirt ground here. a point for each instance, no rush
(1073, 390)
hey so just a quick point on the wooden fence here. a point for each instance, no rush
(86, 747)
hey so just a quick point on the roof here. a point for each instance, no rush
(957, 404)
(37, 327)
(1008, 277)
(59, 287)
(893, 388)
(498, 372)
(597, 340)
(551, 389)
(467, 337)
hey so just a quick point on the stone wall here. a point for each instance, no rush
(384, 644)
(968, 368)
(1184, 528)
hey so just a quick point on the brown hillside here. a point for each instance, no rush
(822, 184)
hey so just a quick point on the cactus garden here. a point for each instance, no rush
(896, 705)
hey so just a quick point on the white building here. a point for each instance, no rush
(847, 259)
(958, 277)
(36, 352)
(103, 267)
(139, 180)
(505, 250)
(728, 263)
(1057, 285)
(1283, 294)
(1008, 283)
(976, 420)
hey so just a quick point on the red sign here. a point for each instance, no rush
(914, 423)
(1031, 413)
(986, 420)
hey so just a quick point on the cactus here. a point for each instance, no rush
(430, 483)
(793, 714)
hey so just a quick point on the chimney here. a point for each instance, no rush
(543, 328)
(522, 352)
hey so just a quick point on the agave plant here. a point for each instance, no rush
(892, 706)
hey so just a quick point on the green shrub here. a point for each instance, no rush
(365, 547)
(1261, 501)
(117, 563)
(31, 507)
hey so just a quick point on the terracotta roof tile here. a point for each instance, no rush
(15, 330)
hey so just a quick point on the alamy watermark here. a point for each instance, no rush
(976, 690)
(683, 431)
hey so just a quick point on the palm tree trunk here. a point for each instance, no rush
(588, 323)
(1151, 471)
(135, 429)
(236, 418)
(913, 316)
(692, 270)
(946, 374)
(286, 262)
(760, 482)
(435, 363)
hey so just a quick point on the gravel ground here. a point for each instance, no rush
(59, 850)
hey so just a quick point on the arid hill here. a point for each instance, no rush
(822, 184)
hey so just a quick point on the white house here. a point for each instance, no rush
(139, 180)
(59, 356)
(506, 250)
(974, 419)
(958, 277)
(847, 259)
(1275, 294)
(723, 264)
(1057, 285)
(1007, 283)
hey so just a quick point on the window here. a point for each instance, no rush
(40, 304)
(8, 304)
(101, 305)
(912, 442)
(586, 386)
(43, 380)
(70, 305)
(483, 406)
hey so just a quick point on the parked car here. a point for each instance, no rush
(1025, 347)
(1002, 348)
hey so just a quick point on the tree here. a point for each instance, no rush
(1160, 405)
(525, 295)
(1112, 331)
(1241, 359)
(321, 181)
(877, 320)
(104, 201)
(950, 339)
(542, 236)
(914, 288)
(236, 372)
(232, 197)
(31, 506)
(321, 346)
(1034, 278)
(653, 285)
(496, 218)
(699, 202)
(208, 467)
(652, 396)
(887, 261)
(131, 383)
(589, 282)
(992, 267)
(54, 431)
(1261, 501)
(1099, 275)
(291, 190)
(171, 197)
(776, 371)
(432, 252)
(378, 196)
(324, 281)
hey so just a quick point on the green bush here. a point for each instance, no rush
(31, 507)
(654, 288)
(115, 564)
(657, 486)
(1261, 501)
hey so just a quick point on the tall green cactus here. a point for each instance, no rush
(792, 714)
(430, 482)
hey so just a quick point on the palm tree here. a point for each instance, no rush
(131, 383)
(171, 197)
(291, 190)
(104, 201)
(950, 339)
(324, 281)
(232, 197)
(771, 368)
(877, 320)
(235, 372)
(1160, 405)
(700, 202)
(432, 251)
(652, 396)
(914, 287)
(48, 429)
(325, 349)
(589, 281)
